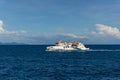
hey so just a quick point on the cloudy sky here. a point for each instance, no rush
(48, 21)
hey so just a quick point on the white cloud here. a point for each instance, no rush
(1, 26)
(11, 36)
(105, 30)
(70, 35)
(51, 39)
(4, 31)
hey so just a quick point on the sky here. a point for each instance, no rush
(48, 21)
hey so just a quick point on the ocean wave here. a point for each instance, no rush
(104, 50)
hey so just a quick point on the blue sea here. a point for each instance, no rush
(32, 62)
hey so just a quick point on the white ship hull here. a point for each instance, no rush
(58, 48)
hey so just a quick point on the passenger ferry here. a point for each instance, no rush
(67, 46)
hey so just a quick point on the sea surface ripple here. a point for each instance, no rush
(32, 62)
